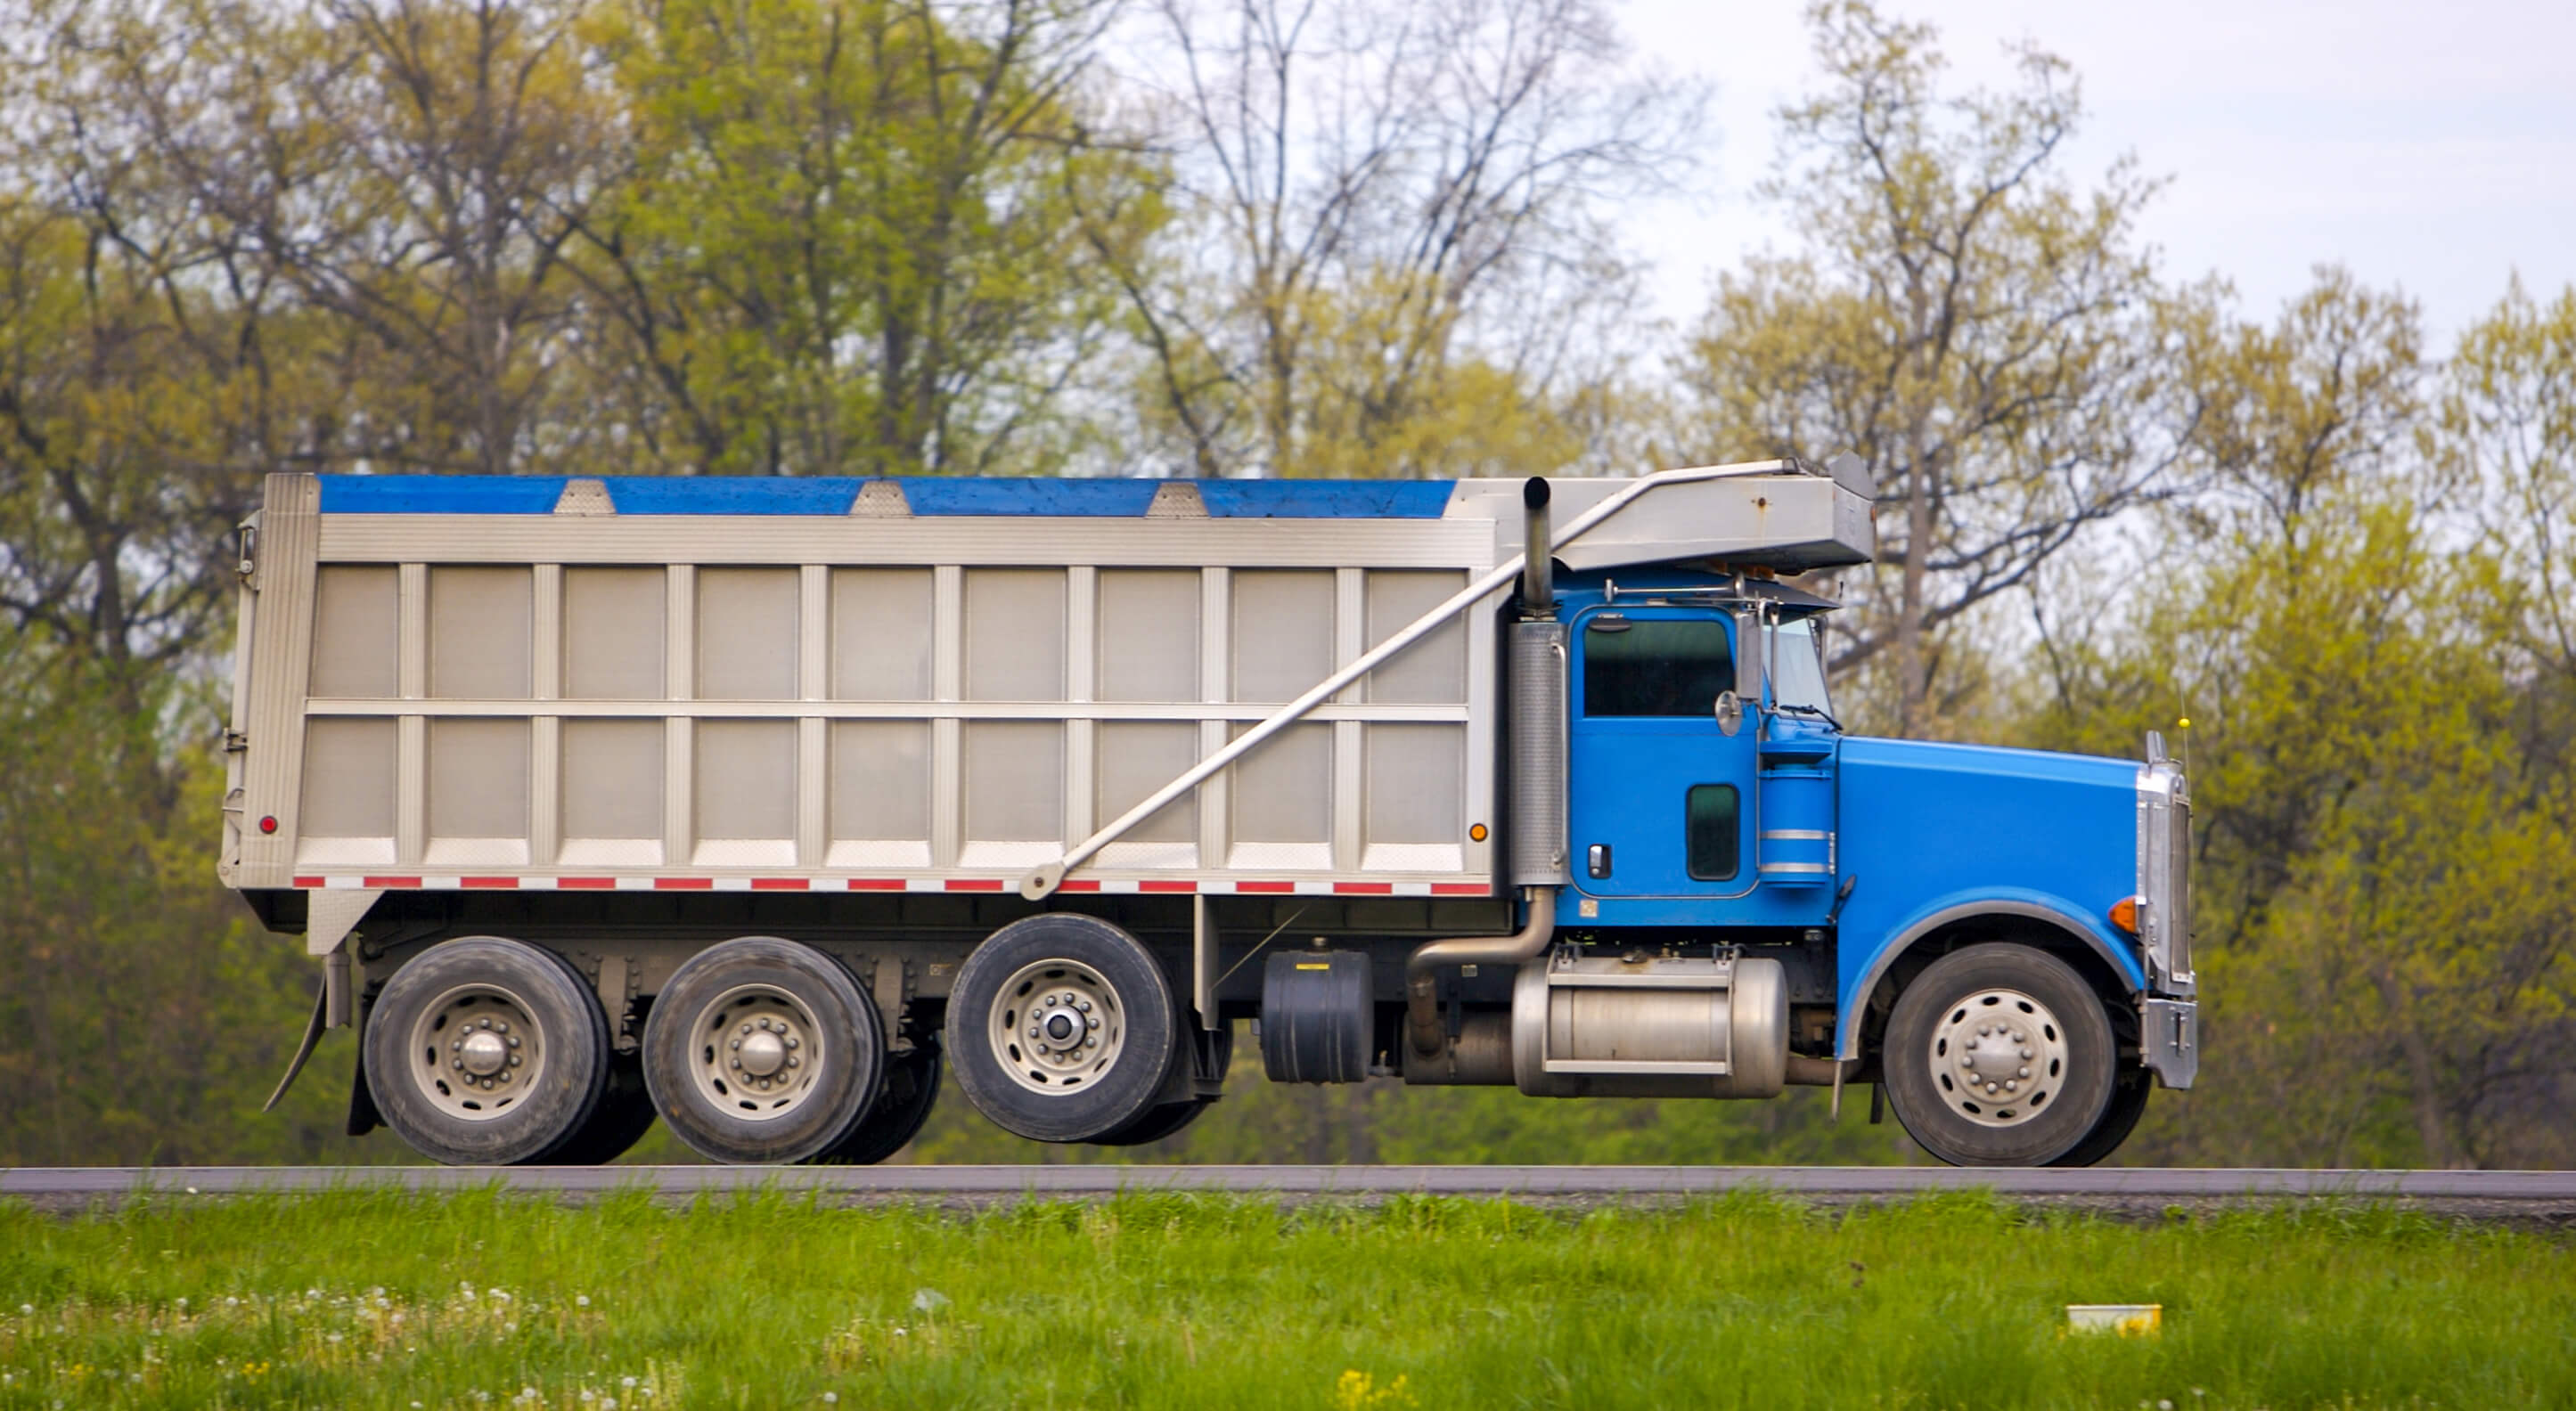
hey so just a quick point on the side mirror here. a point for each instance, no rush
(1730, 713)
(1750, 666)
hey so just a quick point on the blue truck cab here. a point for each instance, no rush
(1713, 793)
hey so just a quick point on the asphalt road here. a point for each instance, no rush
(2546, 1194)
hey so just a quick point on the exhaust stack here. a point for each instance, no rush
(1538, 565)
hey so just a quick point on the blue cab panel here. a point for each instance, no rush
(1926, 827)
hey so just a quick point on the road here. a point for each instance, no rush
(2543, 1195)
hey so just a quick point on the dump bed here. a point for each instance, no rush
(926, 685)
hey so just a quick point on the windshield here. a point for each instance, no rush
(1798, 668)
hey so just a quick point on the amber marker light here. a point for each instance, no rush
(1476, 832)
(2124, 914)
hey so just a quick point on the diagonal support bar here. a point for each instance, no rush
(1040, 884)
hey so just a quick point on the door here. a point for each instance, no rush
(1660, 799)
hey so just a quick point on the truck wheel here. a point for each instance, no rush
(624, 1115)
(486, 1051)
(1999, 1055)
(2128, 1104)
(762, 1050)
(911, 1089)
(1062, 1028)
(1156, 1124)
(1211, 1051)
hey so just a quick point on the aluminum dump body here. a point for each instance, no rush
(873, 686)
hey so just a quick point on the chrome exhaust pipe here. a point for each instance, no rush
(1422, 980)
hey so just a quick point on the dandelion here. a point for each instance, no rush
(27, 1309)
(626, 1382)
(581, 1300)
(928, 1300)
(232, 1303)
(831, 1398)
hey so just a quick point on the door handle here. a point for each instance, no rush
(1597, 859)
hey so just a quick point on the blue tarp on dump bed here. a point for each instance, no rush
(928, 496)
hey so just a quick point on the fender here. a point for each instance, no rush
(2035, 906)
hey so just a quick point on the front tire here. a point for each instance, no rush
(486, 1051)
(2128, 1104)
(1062, 1028)
(1999, 1055)
(762, 1050)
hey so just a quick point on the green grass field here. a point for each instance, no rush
(482, 1300)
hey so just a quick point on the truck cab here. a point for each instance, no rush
(1713, 794)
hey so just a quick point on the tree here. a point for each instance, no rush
(1989, 339)
(2505, 445)
(848, 241)
(1394, 254)
(2386, 950)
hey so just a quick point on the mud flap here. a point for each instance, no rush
(304, 1051)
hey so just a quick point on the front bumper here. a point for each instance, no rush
(2169, 1032)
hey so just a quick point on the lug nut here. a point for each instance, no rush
(2022, 1073)
(514, 1060)
(793, 1041)
(795, 1062)
(458, 1064)
(2010, 1086)
(1083, 1004)
(746, 1028)
(514, 1041)
(1093, 1021)
(501, 1028)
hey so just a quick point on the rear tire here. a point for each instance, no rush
(624, 1115)
(762, 1050)
(1999, 1055)
(1105, 1021)
(486, 1051)
(902, 1108)
(1157, 1123)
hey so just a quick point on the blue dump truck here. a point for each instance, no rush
(764, 807)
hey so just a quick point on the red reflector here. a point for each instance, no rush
(268, 823)
(2124, 914)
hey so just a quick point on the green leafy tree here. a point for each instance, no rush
(2387, 955)
(847, 242)
(1984, 333)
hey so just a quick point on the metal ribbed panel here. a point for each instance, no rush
(1537, 691)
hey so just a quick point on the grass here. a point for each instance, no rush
(489, 1301)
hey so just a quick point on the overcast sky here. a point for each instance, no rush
(2431, 146)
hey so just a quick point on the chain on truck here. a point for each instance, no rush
(765, 806)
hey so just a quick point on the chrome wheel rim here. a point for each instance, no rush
(757, 1054)
(475, 1051)
(1999, 1057)
(1056, 1027)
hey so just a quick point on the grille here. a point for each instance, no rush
(2178, 923)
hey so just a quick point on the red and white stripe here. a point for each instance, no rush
(1148, 886)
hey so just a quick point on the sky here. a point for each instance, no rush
(2427, 146)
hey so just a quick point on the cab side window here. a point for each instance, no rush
(1655, 666)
